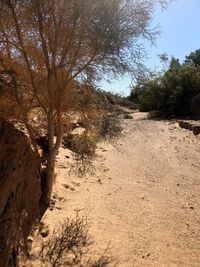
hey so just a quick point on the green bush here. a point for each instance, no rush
(171, 94)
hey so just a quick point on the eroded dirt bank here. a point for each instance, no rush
(20, 191)
(144, 196)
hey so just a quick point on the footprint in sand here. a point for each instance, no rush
(67, 186)
(61, 199)
(76, 184)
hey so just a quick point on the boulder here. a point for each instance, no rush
(191, 125)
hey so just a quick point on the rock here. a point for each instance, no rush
(99, 181)
(44, 230)
(196, 129)
(128, 116)
(30, 239)
(55, 196)
(185, 125)
(44, 233)
(191, 125)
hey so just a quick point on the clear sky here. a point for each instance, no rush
(180, 35)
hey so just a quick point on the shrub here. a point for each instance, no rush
(110, 127)
(69, 245)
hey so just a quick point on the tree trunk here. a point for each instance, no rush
(48, 179)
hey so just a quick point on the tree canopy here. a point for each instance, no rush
(172, 92)
(193, 58)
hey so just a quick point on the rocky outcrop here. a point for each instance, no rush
(193, 126)
(20, 190)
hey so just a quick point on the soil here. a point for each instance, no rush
(143, 197)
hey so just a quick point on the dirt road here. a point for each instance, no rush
(144, 196)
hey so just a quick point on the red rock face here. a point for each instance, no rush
(20, 190)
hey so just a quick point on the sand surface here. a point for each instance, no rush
(144, 196)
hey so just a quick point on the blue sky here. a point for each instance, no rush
(180, 35)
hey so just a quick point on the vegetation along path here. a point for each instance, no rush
(144, 196)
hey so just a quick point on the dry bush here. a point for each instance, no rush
(81, 144)
(70, 244)
(83, 164)
(84, 152)
(85, 145)
(67, 243)
(104, 127)
(110, 127)
(8, 108)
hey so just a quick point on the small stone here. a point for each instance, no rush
(44, 232)
(52, 202)
(54, 196)
(99, 181)
(30, 239)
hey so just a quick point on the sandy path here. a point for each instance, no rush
(144, 196)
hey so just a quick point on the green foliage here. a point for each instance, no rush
(193, 58)
(172, 92)
(146, 94)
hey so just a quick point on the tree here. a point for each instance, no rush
(48, 45)
(193, 58)
(171, 93)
